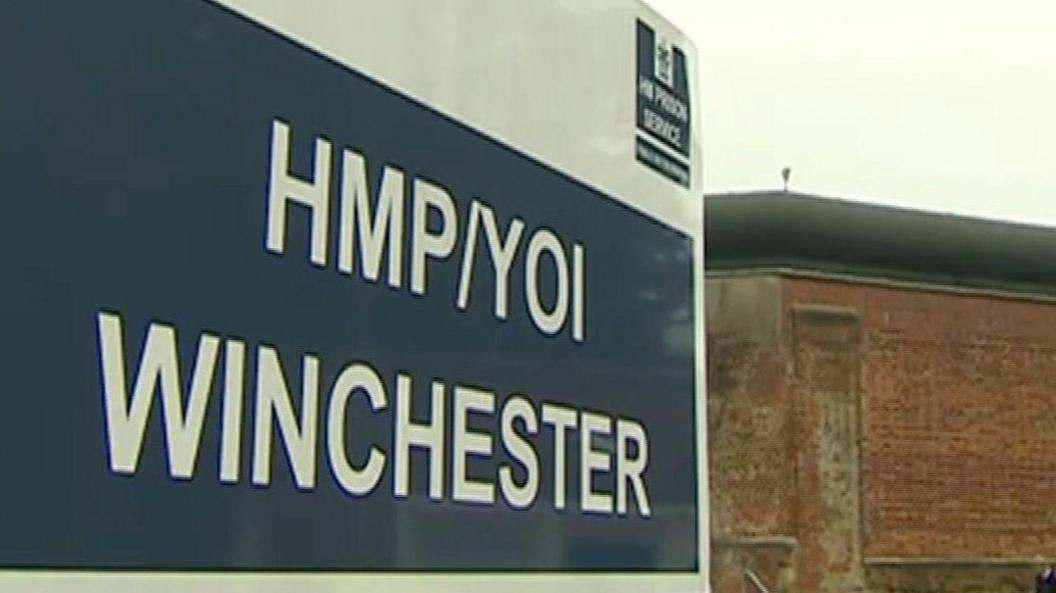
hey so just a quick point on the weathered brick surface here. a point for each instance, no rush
(749, 424)
(920, 425)
(955, 578)
(750, 438)
(824, 389)
(959, 405)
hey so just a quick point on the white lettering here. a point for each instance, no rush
(467, 442)
(548, 322)
(578, 253)
(355, 378)
(273, 400)
(234, 386)
(561, 419)
(355, 208)
(518, 476)
(159, 367)
(469, 256)
(284, 188)
(410, 434)
(519, 496)
(592, 460)
(663, 128)
(502, 253)
(436, 245)
(371, 221)
(630, 470)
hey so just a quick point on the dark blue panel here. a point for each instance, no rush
(662, 105)
(135, 162)
(667, 100)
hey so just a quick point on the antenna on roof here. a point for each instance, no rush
(786, 173)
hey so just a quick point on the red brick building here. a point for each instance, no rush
(882, 398)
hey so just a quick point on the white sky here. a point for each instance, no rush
(934, 104)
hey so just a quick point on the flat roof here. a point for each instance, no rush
(785, 230)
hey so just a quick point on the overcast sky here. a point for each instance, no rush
(934, 104)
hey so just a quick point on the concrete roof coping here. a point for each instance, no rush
(784, 230)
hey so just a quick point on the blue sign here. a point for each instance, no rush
(261, 312)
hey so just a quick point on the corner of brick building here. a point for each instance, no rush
(865, 437)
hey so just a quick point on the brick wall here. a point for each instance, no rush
(750, 435)
(824, 353)
(959, 420)
(883, 439)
